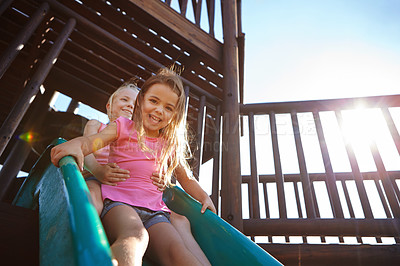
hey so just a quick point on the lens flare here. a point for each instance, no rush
(97, 144)
(29, 137)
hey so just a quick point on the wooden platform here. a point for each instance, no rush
(19, 236)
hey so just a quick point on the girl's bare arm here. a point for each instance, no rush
(82, 146)
(109, 174)
(193, 188)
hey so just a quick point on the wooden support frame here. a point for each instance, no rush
(179, 24)
(32, 87)
(231, 207)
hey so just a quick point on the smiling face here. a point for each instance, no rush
(122, 104)
(158, 108)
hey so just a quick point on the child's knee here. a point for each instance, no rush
(178, 219)
(140, 235)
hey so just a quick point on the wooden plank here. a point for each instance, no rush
(254, 181)
(318, 227)
(334, 254)
(392, 127)
(305, 178)
(181, 26)
(32, 87)
(118, 31)
(76, 88)
(198, 154)
(211, 16)
(386, 182)
(217, 159)
(321, 105)
(278, 167)
(322, 176)
(330, 176)
(183, 6)
(19, 235)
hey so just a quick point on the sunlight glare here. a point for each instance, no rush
(360, 133)
(363, 127)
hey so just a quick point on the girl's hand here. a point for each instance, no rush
(207, 203)
(158, 181)
(111, 174)
(72, 148)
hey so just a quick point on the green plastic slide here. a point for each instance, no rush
(222, 243)
(71, 232)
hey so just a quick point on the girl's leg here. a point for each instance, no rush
(182, 225)
(95, 193)
(127, 235)
(167, 247)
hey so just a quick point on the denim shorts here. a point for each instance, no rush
(147, 216)
(89, 178)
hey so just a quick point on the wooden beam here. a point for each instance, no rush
(334, 254)
(181, 26)
(321, 105)
(32, 87)
(318, 227)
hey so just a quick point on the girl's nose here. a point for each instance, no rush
(159, 109)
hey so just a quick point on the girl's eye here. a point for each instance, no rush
(170, 109)
(153, 101)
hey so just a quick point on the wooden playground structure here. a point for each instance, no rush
(86, 48)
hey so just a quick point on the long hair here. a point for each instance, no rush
(130, 84)
(175, 150)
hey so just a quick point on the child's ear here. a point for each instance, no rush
(108, 107)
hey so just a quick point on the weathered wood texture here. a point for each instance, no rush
(112, 42)
(231, 180)
(333, 255)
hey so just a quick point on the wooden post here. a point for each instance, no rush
(330, 176)
(31, 89)
(21, 149)
(18, 43)
(254, 180)
(231, 198)
(280, 181)
(305, 178)
(201, 122)
(4, 5)
(217, 158)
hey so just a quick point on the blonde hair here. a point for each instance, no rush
(175, 150)
(130, 84)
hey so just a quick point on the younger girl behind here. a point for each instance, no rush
(154, 142)
(120, 103)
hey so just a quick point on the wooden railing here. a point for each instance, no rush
(362, 204)
(197, 15)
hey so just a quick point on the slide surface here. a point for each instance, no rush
(222, 243)
(71, 232)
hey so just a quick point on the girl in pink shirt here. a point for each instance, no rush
(134, 215)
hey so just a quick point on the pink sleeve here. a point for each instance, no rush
(124, 125)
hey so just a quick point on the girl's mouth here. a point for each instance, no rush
(127, 112)
(155, 119)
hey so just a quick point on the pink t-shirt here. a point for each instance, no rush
(138, 190)
(102, 154)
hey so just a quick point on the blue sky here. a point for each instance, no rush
(320, 49)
